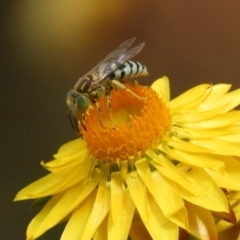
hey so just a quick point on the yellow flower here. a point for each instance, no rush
(158, 170)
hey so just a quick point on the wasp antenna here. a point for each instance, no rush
(73, 120)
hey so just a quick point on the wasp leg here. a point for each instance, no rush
(121, 86)
(82, 123)
(97, 104)
(109, 105)
(75, 122)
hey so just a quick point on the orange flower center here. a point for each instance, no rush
(136, 125)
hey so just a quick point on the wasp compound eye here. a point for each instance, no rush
(82, 103)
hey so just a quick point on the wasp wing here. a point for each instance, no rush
(113, 60)
(107, 68)
(117, 52)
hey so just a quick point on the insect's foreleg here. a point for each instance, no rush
(121, 86)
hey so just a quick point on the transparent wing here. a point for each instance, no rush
(107, 68)
(113, 60)
(117, 52)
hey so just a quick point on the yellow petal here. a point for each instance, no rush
(199, 159)
(222, 120)
(217, 91)
(228, 231)
(203, 133)
(220, 147)
(190, 98)
(165, 193)
(201, 222)
(196, 116)
(118, 228)
(59, 207)
(182, 145)
(51, 184)
(100, 208)
(71, 161)
(166, 168)
(138, 230)
(161, 86)
(102, 231)
(230, 100)
(231, 179)
(229, 217)
(76, 224)
(231, 137)
(207, 195)
(124, 169)
(70, 148)
(117, 194)
(157, 224)
(37, 220)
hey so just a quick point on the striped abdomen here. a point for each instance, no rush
(129, 69)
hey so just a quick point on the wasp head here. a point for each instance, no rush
(78, 104)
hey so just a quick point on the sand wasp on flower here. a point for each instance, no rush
(102, 79)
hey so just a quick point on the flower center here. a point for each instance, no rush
(136, 124)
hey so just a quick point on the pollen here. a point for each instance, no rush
(134, 125)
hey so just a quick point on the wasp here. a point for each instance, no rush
(98, 82)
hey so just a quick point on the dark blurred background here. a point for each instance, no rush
(46, 45)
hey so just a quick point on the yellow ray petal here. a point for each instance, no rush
(161, 86)
(118, 228)
(182, 145)
(190, 98)
(100, 208)
(235, 128)
(199, 159)
(189, 133)
(166, 168)
(230, 100)
(208, 194)
(165, 193)
(233, 195)
(124, 169)
(217, 91)
(58, 208)
(76, 224)
(157, 224)
(231, 138)
(70, 161)
(70, 148)
(138, 230)
(101, 233)
(230, 216)
(220, 147)
(201, 222)
(235, 204)
(117, 189)
(196, 116)
(37, 220)
(231, 179)
(227, 231)
(51, 184)
(222, 120)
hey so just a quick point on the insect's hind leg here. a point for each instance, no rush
(121, 86)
